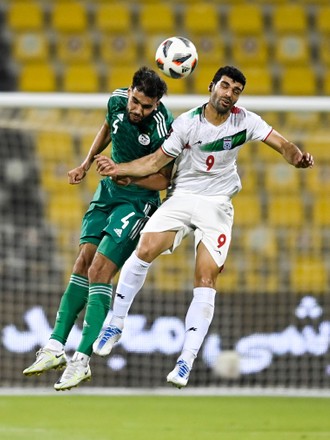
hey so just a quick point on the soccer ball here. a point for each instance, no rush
(176, 57)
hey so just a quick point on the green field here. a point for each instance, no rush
(83, 417)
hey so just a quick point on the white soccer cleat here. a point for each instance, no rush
(46, 360)
(179, 376)
(76, 372)
(106, 340)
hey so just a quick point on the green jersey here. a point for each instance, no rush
(132, 141)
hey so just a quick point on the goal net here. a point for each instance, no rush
(272, 312)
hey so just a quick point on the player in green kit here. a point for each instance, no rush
(136, 125)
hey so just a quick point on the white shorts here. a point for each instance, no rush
(210, 217)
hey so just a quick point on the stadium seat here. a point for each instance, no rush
(249, 50)
(260, 241)
(65, 210)
(248, 210)
(321, 210)
(54, 175)
(248, 174)
(326, 83)
(25, 16)
(37, 77)
(74, 47)
(52, 145)
(324, 49)
(308, 275)
(211, 50)
(318, 179)
(113, 18)
(298, 81)
(319, 145)
(166, 22)
(322, 19)
(118, 49)
(281, 178)
(285, 211)
(259, 81)
(69, 17)
(81, 78)
(307, 120)
(30, 46)
(120, 76)
(267, 154)
(292, 50)
(202, 78)
(245, 19)
(289, 18)
(201, 19)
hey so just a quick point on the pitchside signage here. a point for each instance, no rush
(272, 347)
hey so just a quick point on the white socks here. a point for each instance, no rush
(131, 280)
(198, 319)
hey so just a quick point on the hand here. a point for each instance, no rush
(105, 166)
(76, 175)
(306, 161)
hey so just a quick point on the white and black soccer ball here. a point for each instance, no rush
(176, 57)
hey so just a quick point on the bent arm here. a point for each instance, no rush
(291, 153)
(157, 181)
(144, 166)
(101, 141)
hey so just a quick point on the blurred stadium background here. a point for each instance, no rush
(273, 306)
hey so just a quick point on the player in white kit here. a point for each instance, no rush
(204, 142)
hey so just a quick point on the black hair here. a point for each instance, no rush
(148, 81)
(232, 72)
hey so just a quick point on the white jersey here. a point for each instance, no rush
(206, 154)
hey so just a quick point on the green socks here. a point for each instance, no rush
(72, 303)
(98, 306)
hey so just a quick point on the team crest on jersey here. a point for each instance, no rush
(227, 142)
(144, 139)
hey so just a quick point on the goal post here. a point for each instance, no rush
(272, 308)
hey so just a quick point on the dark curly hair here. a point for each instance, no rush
(148, 81)
(232, 72)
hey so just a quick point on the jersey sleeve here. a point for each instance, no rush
(175, 142)
(258, 128)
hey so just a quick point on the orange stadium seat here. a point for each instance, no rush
(120, 76)
(211, 50)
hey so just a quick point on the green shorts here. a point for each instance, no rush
(114, 220)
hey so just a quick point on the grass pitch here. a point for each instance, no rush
(83, 417)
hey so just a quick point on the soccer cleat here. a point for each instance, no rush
(179, 376)
(46, 360)
(106, 340)
(76, 372)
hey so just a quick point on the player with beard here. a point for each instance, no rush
(136, 124)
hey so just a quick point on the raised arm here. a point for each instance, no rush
(291, 153)
(137, 168)
(101, 141)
